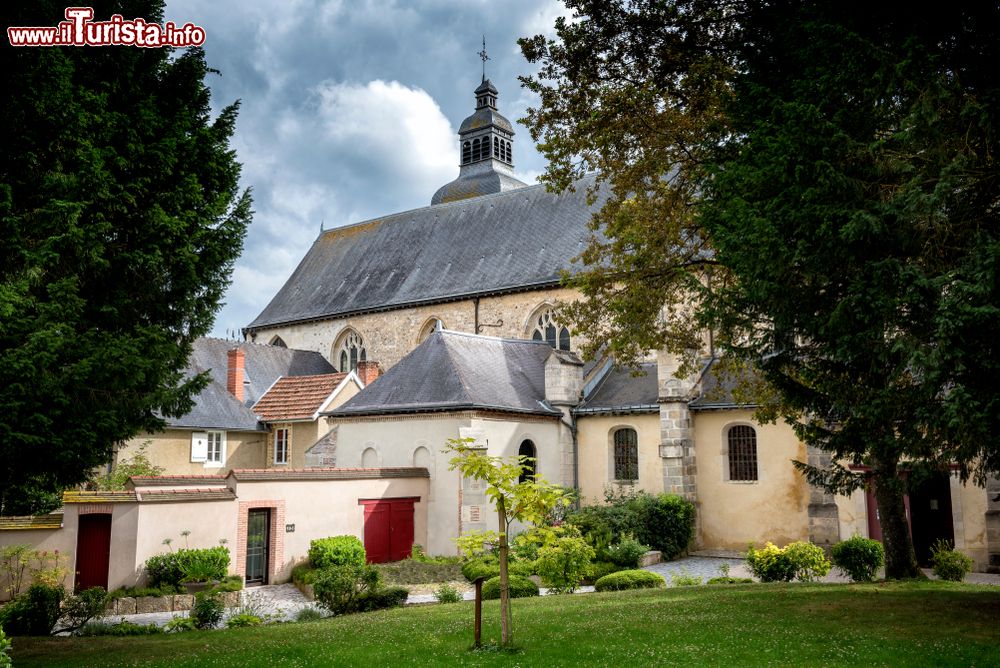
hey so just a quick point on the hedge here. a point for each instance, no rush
(517, 586)
(634, 579)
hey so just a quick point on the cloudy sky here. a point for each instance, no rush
(350, 110)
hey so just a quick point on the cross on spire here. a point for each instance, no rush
(484, 57)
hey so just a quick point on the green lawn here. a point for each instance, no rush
(919, 623)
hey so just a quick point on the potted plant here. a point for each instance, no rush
(198, 576)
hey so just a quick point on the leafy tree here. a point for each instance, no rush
(136, 465)
(817, 187)
(120, 220)
(531, 500)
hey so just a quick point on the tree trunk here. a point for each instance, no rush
(900, 559)
(506, 633)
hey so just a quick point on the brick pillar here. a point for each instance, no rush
(234, 377)
(824, 518)
(369, 371)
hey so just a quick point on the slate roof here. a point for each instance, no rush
(215, 407)
(475, 180)
(329, 473)
(509, 241)
(619, 391)
(716, 388)
(297, 397)
(455, 371)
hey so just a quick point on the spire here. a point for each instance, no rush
(484, 57)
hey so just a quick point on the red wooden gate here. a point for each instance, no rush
(93, 551)
(388, 528)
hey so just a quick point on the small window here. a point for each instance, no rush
(496, 148)
(352, 350)
(507, 151)
(280, 446)
(278, 342)
(529, 466)
(475, 150)
(626, 444)
(548, 330)
(742, 441)
(466, 152)
(215, 450)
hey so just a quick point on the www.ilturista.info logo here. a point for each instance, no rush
(80, 30)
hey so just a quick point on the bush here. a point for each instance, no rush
(726, 580)
(380, 599)
(598, 569)
(80, 608)
(304, 573)
(633, 579)
(447, 594)
(664, 522)
(163, 570)
(563, 562)
(948, 563)
(243, 620)
(336, 551)
(859, 558)
(627, 552)
(229, 583)
(338, 588)
(799, 560)
(4, 650)
(122, 628)
(309, 614)
(474, 569)
(683, 578)
(205, 565)
(178, 624)
(34, 612)
(517, 586)
(207, 610)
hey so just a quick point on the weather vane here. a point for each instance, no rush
(484, 57)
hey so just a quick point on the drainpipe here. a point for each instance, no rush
(475, 315)
(576, 454)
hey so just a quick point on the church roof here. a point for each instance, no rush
(453, 371)
(505, 242)
(483, 118)
(620, 391)
(475, 182)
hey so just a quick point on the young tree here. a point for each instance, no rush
(120, 221)
(530, 500)
(837, 182)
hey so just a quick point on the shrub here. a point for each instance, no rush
(207, 610)
(179, 624)
(336, 551)
(627, 552)
(34, 612)
(563, 562)
(726, 580)
(683, 578)
(122, 628)
(304, 573)
(517, 586)
(447, 594)
(4, 650)
(338, 588)
(380, 599)
(80, 608)
(163, 570)
(243, 620)
(664, 522)
(310, 614)
(633, 579)
(598, 569)
(948, 563)
(859, 558)
(480, 568)
(799, 560)
(203, 565)
(229, 583)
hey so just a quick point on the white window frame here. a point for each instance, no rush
(220, 440)
(286, 442)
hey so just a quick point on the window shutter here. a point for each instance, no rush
(199, 446)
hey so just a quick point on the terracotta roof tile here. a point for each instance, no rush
(296, 397)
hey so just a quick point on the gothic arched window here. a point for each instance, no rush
(530, 467)
(278, 342)
(351, 351)
(742, 446)
(429, 328)
(466, 152)
(547, 329)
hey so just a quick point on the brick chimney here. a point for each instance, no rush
(234, 376)
(368, 371)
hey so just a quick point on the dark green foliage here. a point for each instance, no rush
(860, 558)
(664, 522)
(627, 552)
(136, 592)
(728, 581)
(179, 624)
(164, 571)
(519, 587)
(120, 220)
(243, 620)
(480, 568)
(447, 594)
(599, 569)
(336, 551)
(204, 565)
(80, 608)
(380, 599)
(32, 613)
(339, 588)
(229, 583)
(948, 563)
(208, 610)
(634, 579)
(309, 614)
(304, 573)
(122, 628)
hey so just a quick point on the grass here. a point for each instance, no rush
(898, 624)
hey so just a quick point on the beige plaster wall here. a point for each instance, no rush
(597, 469)
(42, 540)
(733, 514)
(322, 508)
(390, 335)
(171, 449)
(968, 509)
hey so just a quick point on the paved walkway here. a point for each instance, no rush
(285, 600)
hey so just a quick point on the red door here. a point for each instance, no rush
(93, 551)
(388, 528)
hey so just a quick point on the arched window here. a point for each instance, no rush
(278, 342)
(626, 445)
(507, 151)
(351, 351)
(530, 467)
(476, 152)
(429, 328)
(466, 152)
(547, 329)
(369, 458)
(742, 442)
(496, 148)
